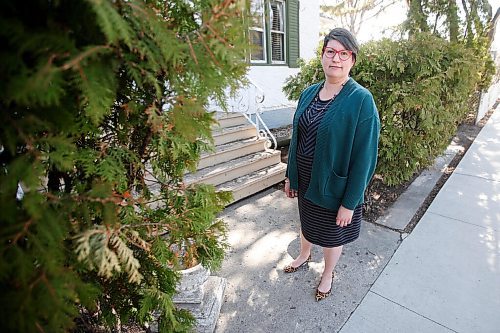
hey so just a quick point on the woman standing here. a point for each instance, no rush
(332, 157)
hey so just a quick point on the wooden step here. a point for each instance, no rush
(232, 150)
(229, 120)
(254, 182)
(235, 168)
(235, 133)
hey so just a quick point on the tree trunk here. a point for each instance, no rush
(492, 26)
(452, 18)
(417, 20)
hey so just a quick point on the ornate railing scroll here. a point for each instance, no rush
(248, 101)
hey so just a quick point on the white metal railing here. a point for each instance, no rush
(248, 101)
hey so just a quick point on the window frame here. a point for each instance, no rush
(284, 32)
(267, 17)
(262, 29)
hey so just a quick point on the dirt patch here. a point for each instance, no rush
(380, 197)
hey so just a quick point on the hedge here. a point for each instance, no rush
(422, 89)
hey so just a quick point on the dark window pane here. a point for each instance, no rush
(278, 46)
(277, 16)
(257, 39)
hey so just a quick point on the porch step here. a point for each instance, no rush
(229, 120)
(234, 168)
(241, 162)
(254, 182)
(234, 133)
(232, 150)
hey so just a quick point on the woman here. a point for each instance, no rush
(332, 157)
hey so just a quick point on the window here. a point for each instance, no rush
(258, 32)
(274, 32)
(277, 25)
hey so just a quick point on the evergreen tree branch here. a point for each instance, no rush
(86, 105)
(20, 234)
(191, 50)
(214, 59)
(222, 40)
(218, 11)
(39, 327)
(87, 53)
(114, 199)
(140, 225)
(142, 245)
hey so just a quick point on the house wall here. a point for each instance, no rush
(309, 28)
(488, 99)
(272, 78)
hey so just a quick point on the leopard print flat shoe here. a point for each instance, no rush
(291, 269)
(322, 295)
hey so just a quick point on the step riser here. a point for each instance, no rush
(229, 122)
(224, 156)
(235, 136)
(242, 176)
(231, 174)
(253, 188)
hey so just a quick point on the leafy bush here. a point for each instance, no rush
(421, 87)
(103, 110)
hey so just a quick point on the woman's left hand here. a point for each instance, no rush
(344, 217)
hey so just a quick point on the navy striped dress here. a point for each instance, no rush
(318, 224)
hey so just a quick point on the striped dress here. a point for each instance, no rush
(318, 224)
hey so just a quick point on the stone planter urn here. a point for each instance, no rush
(201, 294)
(191, 285)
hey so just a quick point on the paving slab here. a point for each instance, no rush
(379, 315)
(448, 271)
(470, 199)
(483, 157)
(402, 211)
(260, 297)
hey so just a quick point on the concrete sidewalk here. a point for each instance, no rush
(443, 277)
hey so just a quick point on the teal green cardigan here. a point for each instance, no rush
(346, 147)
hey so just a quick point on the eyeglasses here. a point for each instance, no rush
(343, 54)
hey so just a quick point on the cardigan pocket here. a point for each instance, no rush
(335, 186)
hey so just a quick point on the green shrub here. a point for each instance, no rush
(421, 87)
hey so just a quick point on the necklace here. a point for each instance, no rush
(312, 117)
(319, 112)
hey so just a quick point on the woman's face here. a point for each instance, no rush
(335, 68)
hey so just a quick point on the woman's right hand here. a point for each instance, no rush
(289, 193)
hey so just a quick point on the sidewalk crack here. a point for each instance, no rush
(476, 176)
(418, 314)
(466, 222)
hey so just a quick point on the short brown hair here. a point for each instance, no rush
(344, 37)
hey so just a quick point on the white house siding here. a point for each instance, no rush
(309, 28)
(488, 99)
(272, 78)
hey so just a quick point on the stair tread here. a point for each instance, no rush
(228, 115)
(242, 161)
(232, 129)
(251, 178)
(234, 145)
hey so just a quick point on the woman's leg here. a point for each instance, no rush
(332, 255)
(305, 251)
